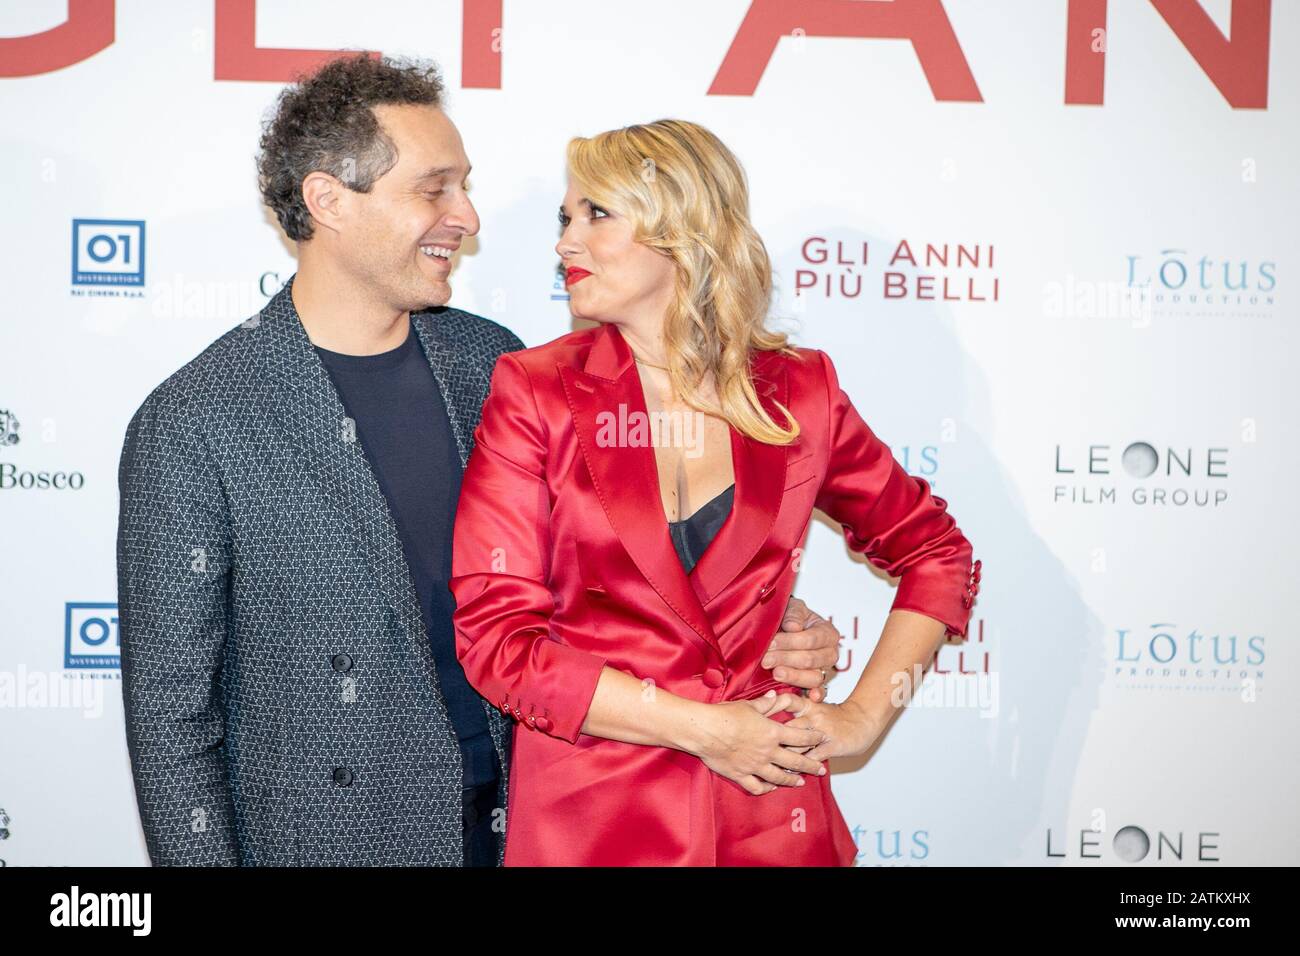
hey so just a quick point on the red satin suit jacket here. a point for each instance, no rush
(563, 565)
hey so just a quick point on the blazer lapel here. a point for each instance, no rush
(443, 359)
(625, 476)
(312, 416)
(760, 480)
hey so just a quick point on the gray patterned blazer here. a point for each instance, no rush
(282, 706)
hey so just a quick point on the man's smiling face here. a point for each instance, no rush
(403, 232)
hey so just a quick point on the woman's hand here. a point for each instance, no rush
(845, 728)
(743, 743)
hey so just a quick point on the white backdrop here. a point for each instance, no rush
(1100, 399)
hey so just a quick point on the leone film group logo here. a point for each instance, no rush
(1131, 843)
(1143, 474)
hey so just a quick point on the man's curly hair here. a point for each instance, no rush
(325, 122)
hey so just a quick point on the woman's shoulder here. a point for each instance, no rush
(568, 349)
(803, 365)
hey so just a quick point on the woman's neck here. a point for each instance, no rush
(647, 345)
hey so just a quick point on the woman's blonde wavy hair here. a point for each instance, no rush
(687, 196)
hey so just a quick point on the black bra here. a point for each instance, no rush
(692, 535)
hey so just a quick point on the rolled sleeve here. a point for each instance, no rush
(892, 519)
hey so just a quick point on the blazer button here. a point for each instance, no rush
(543, 724)
(713, 677)
(343, 776)
(341, 663)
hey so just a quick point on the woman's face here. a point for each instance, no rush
(611, 277)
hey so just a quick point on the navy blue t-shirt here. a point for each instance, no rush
(402, 424)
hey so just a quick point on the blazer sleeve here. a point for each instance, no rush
(892, 518)
(500, 569)
(173, 558)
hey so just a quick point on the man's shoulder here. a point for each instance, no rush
(226, 368)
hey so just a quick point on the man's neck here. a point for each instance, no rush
(339, 316)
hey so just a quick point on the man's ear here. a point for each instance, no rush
(323, 196)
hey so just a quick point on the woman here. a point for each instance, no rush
(614, 589)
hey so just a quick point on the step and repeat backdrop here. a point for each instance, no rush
(1051, 246)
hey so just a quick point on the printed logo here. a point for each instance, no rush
(1143, 473)
(559, 291)
(1133, 844)
(890, 847)
(831, 268)
(90, 639)
(1188, 283)
(1165, 656)
(13, 478)
(8, 428)
(108, 252)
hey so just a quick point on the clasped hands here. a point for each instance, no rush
(746, 745)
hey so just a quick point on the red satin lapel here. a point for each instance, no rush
(760, 480)
(626, 479)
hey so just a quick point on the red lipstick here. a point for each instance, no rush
(574, 275)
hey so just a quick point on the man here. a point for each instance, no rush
(288, 662)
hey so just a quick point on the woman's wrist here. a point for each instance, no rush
(693, 728)
(863, 716)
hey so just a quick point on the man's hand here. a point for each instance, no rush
(804, 651)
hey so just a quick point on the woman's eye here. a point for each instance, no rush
(598, 213)
(434, 195)
(564, 220)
